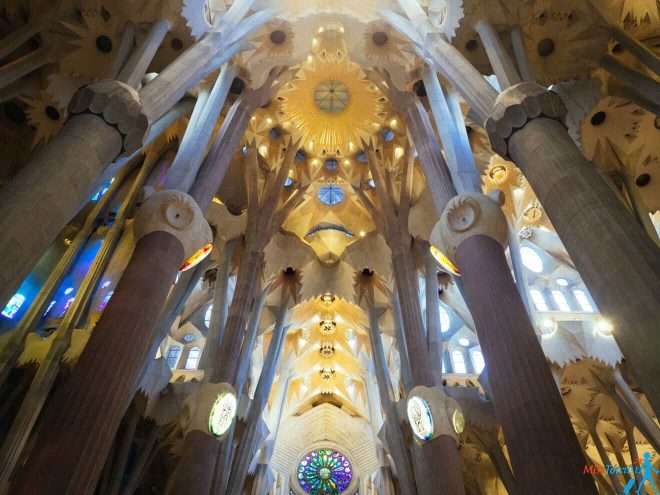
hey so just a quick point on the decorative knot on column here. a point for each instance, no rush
(178, 214)
(432, 413)
(118, 105)
(515, 107)
(211, 409)
(465, 216)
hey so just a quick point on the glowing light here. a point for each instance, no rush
(548, 325)
(197, 256)
(105, 300)
(222, 414)
(420, 419)
(68, 291)
(263, 150)
(362, 233)
(393, 123)
(217, 201)
(398, 152)
(106, 284)
(604, 327)
(531, 259)
(464, 342)
(562, 282)
(13, 306)
(50, 306)
(445, 263)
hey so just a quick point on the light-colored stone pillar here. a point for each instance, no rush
(472, 234)
(603, 240)
(83, 416)
(198, 133)
(136, 66)
(520, 54)
(505, 69)
(451, 129)
(433, 330)
(648, 87)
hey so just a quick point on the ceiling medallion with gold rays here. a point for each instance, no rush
(331, 103)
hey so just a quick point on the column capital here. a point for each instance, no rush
(515, 107)
(178, 214)
(465, 216)
(118, 105)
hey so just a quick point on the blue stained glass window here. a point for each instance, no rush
(103, 190)
(105, 300)
(324, 471)
(331, 194)
(14, 304)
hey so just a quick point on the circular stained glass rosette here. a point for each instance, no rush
(324, 471)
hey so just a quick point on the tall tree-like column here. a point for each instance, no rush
(250, 439)
(392, 219)
(603, 240)
(85, 414)
(266, 213)
(472, 234)
(594, 226)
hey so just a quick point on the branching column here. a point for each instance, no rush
(472, 234)
(265, 216)
(619, 263)
(392, 219)
(86, 412)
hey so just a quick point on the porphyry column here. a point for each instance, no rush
(472, 234)
(618, 262)
(85, 413)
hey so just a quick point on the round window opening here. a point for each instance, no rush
(331, 96)
(331, 194)
(324, 471)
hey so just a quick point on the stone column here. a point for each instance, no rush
(85, 413)
(137, 64)
(250, 438)
(105, 121)
(648, 87)
(472, 234)
(433, 330)
(618, 262)
(198, 133)
(505, 69)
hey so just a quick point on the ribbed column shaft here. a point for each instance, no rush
(537, 429)
(85, 414)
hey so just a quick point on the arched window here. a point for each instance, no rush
(478, 361)
(560, 300)
(173, 356)
(539, 300)
(583, 300)
(531, 259)
(207, 316)
(445, 321)
(193, 358)
(458, 360)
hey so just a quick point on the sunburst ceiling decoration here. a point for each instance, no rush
(331, 104)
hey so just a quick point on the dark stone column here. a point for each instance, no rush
(537, 429)
(618, 262)
(82, 419)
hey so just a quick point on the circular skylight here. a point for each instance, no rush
(331, 194)
(531, 259)
(464, 342)
(562, 282)
(331, 96)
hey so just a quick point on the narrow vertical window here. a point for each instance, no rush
(583, 300)
(193, 358)
(478, 361)
(458, 360)
(560, 300)
(173, 356)
(539, 300)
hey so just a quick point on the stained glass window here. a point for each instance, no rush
(13, 305)
(331, 194)
(173, 356)
(324, 471)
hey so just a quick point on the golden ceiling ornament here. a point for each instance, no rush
(330, 104)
